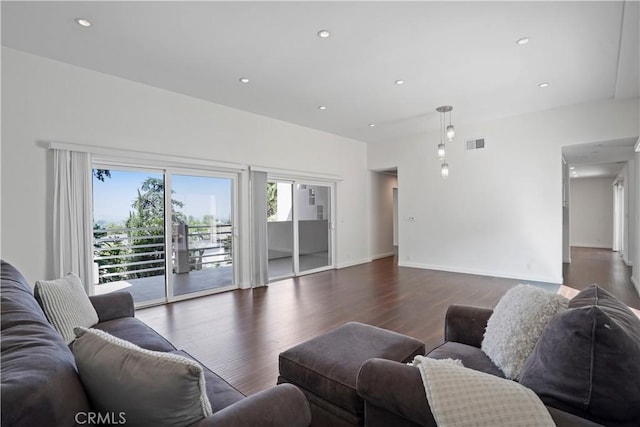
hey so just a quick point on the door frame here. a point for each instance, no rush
(295, 180)
(167, 172)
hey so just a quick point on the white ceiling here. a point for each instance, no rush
(599, 159)
(458, 53)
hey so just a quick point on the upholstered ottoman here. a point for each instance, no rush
(325, 368)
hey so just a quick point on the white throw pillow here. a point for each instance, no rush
(144, 387)
(516, 325)
(66, 304)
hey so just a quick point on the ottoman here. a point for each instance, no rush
(325, 368)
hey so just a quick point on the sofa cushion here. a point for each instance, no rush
(470, 356)
(136, 331)
(221, 394)
(146, 387)
(586, 361)
(66, 304)
(516, 324)
(40, 384)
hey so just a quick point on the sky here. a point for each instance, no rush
(112, 198)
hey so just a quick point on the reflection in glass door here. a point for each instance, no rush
(314, 232)
(202, 233)
(280, 229)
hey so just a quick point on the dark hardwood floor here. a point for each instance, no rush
(239, 334)
(604, 267)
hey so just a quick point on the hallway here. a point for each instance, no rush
(604, 267)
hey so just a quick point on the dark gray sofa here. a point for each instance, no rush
(41, 387)
(394, 394)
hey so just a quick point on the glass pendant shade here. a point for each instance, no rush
(444, 170)
(450, 133)
(446, 133)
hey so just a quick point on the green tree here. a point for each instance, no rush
(101, 174)
(272, 199)
(147, 221)
(108, 249)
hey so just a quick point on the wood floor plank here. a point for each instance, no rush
(239, 334)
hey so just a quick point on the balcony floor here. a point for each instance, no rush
(283, 267)
(152, 288)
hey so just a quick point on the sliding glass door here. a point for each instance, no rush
(135, 212)
(202, 233)
(299, 227)
(280, 229)
(129, 233)
(314, 226)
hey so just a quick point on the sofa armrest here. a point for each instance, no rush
(113, 306)
(281, 405)
(466, 324)
(395, 387)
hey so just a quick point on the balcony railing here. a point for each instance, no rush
(129, 253)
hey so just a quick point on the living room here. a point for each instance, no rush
(128, 87)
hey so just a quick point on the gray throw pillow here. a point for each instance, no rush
(144, 387)
(66, 304)
(516, 324)
(587, 362)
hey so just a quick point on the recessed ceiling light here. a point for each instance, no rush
(372, 125)
(322, 107)
(83, 22)
(572, 167)
(523, 40)
(323, 34)
(545, 84)
(244, 80)
(399, 82)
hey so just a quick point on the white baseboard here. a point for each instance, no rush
(352, 263)
(478, 272)
(385, 255)
(591, 245)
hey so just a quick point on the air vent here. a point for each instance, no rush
(475, 144)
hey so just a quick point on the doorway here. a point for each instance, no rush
(384, 213)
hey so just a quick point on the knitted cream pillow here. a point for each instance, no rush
(66, 304)
(516, 325)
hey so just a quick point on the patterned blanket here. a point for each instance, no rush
(462, 397)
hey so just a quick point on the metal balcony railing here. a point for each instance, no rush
(129, 253)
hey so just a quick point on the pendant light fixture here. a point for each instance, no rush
(448, 132)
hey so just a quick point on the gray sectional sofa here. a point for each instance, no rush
(40, 385)
(585, 367)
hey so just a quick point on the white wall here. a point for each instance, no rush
(566, 213)
(46, 100)
(635, 272)
(382, 214)
(592, 212)
(500, 211)
(627, 175)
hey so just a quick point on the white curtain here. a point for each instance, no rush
(259, 248)
(72, 215)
